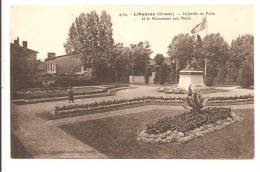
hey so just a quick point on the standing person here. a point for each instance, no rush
(71, 95)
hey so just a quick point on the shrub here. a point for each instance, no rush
(195, 100)
(162, 73)
(147, 75)
(246, 76)
(208, 81)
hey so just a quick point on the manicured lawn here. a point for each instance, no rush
(116, 137)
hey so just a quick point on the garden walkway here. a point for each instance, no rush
(137, 91)
(44, 139)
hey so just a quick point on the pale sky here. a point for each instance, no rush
(46, 27)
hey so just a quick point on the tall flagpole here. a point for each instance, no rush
(205, 36)
(194, 45)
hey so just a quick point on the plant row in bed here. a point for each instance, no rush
(187, 126)
(62, 93)
(143, 100)
(110, 102)
(247, 96)
(76, 110)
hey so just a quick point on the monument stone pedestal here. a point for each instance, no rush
(191, 77)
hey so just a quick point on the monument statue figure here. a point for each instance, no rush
(191, 75)
(192, 64)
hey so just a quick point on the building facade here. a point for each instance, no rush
(23, 64)
(40, 68)
(68, 64)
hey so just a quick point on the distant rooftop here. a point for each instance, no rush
(24, 45)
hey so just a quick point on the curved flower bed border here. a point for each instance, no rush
(51, 94)
(83, 109)
(180, 137)
(109, 92)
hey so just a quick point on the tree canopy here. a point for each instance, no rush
(91, 36)
(181, 49)
(242, 50)
(159, 59)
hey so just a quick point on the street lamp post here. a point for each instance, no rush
(132, 64)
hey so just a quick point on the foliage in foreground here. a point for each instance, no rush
(198, 115)
(196, 101)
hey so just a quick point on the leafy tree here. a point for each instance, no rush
(147, 74)
(124, 57)
(181, 49)
(159, 59)
(140, 54)
(246, 77)
(90, 36)
(216, 50)
(242, 49)
(121, 63)
(106, 42)
(242, 52)
(163, 73)
(71, 45)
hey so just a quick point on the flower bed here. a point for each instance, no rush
(172, 90)
(51, 99)
(77, 109)
(109, 92)
(61, 92)
(187, 126)
(129, 101)
(176, 90)
(241, 97)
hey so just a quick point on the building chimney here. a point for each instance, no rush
(25, 44)
(16, 41)
(49, 55)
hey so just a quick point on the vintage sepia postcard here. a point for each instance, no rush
(132, 81)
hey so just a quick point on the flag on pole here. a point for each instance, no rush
(199, 27)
